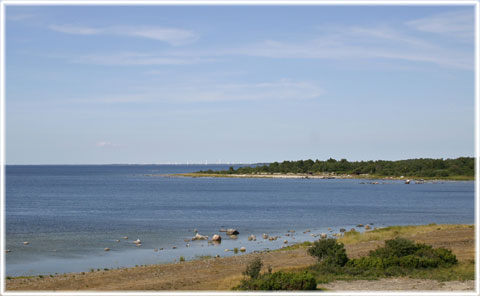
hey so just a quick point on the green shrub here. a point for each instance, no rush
(404, 253)
(329, 251)
(280, 281)
(253, 268)
(397, 247)
(182, 258)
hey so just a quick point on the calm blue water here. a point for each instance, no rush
(69, 214)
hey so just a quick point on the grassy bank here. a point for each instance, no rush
(224, 273)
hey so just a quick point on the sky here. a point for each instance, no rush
(238, 84)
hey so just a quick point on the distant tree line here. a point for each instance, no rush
(422, 167)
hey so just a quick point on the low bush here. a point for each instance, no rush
(399, 257)
(253, 268)
(280, 281)
(274, 281)
(407, 254)
(329, 252)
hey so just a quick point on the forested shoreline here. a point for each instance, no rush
(421, 167)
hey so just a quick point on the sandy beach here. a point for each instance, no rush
(225, 273)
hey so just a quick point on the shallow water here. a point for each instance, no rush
(69, 214)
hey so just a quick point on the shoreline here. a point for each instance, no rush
(224, 272)
(308, 176)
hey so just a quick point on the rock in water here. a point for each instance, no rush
(216, 238)
(252, 238)
(232, 231)
(323, 235)
(243, 249)
(265, 236)
(106, 249)
(199, 237)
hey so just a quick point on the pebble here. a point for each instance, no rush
(26, 243)
(106, 249)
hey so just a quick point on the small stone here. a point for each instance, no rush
(216, 238)
(243, 249)
(26, 243)
(106, 249)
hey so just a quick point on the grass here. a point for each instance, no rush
(294, 247)
(203, 257)
(390, 232)
(461, 272)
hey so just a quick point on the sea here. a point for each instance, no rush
(69, 214)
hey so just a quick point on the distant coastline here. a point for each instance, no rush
(319, 176)
(420, 169)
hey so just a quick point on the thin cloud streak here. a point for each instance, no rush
(137, 59)
(215, 92)
(173, 36)
(456, 23)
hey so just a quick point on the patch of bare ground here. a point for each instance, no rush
(225, 273)
(400, 284)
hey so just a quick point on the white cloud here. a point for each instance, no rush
(105, 144)
(173, 36)
(76, 30)
(214, 92)
(111, 99)
(362, 43)
(455, 23)
(19, 17)
(137, 59)
(279, 90)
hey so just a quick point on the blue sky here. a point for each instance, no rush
(165, 84)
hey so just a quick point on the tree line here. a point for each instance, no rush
(421, 167)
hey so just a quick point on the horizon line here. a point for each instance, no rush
(226, 163)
